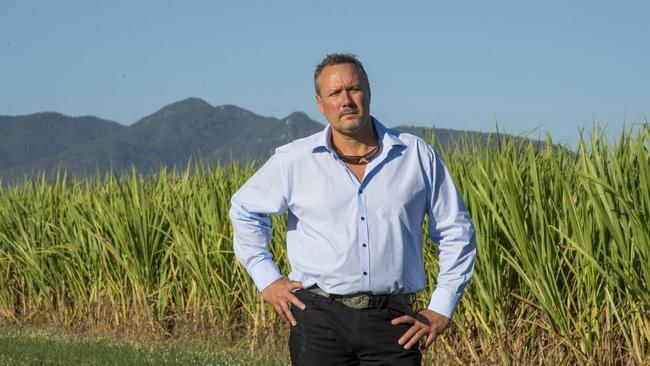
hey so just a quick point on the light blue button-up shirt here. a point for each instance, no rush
(348, 236)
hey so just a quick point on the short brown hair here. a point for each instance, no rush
(338, 59)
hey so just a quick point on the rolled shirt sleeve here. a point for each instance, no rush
(450, 225)
(264, 194)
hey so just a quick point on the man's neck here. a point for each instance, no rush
(358, 144)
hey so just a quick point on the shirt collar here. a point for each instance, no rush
(387, 137)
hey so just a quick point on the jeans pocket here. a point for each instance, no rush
(306, 297)
(396, 309)
(394, 313)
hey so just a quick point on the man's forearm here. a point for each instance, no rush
(252, 233)
(457, 253)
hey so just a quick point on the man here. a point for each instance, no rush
(356, 195)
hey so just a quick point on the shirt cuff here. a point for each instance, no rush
(264, 273)
(444, 302)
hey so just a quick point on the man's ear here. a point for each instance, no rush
(319, 103)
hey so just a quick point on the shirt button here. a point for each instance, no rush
(362, 218)
(360, 191)
(365, 273)
(363, 245)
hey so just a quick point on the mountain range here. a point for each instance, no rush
(191, 128)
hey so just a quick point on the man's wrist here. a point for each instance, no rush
(443, 302)
(264, 273)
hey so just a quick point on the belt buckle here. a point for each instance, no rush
(357, 302)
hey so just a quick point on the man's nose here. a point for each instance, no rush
(345, 98)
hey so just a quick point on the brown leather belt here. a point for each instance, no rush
(365, 301)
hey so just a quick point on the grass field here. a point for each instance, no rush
(40, 347)
(562, 272)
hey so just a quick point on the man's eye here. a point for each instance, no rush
(336, 92)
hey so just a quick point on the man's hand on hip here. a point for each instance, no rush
(427, 323)
(279, 294)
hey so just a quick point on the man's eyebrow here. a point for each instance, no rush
(346, 87)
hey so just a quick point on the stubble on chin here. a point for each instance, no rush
(350, 127)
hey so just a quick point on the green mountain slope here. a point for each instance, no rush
(188, 129)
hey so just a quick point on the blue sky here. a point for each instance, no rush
(529, 66)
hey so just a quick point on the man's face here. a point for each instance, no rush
(344, 98)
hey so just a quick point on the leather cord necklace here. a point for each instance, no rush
(354, 159)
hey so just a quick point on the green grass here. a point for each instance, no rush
(48, 348)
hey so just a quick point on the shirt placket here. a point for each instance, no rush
(362, 218)
(362, 227)
(363, 245)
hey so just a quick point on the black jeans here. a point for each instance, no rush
(329, 333)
